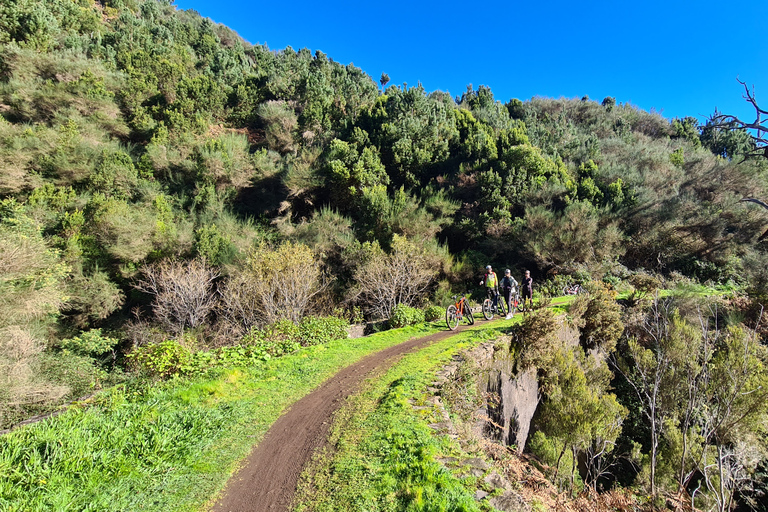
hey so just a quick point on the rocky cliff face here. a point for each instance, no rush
(510, 394)
(510, 415)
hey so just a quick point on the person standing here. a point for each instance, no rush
(508, 288)
(491, 282)
(526, 290)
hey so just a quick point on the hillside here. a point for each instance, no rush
(174, 198)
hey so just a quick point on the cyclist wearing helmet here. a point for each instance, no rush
(491, 282)
(508, 287)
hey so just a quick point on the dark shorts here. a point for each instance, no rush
(526, 293)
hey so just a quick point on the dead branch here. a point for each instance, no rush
(759, 126)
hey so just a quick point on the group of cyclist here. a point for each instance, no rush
(508, 286)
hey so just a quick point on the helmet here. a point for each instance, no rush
(507, 271)
(487, 267)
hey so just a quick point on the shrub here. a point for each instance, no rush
(433, 313)
(274, 340)
(645, 285)
(403, 315)
(536, 337)
(602, 318)
(553, 287)
(277, 284)
(80, 374)
(402, 276)
(183, 292)
(91, 343)
(162, 360)
(23, 390)
(315, 330)
(92, 297)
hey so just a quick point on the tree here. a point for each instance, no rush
(579, 413)
(183, 294)
(733, 421)
(648, 363)
(402, 276)
(705, 392)
(276, 283)
(731, 123)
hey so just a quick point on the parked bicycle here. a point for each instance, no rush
(489, 309)
(514, 303)
(574, 289)
(455, 313)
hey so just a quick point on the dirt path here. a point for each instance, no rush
(267, 481)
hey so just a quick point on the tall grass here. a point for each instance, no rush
(171, 446)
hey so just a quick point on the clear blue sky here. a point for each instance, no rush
(677, 57)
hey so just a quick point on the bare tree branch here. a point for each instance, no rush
(759, 125)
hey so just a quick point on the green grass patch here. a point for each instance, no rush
(169, 446)
(383, 454)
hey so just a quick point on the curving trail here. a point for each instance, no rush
(268, 480)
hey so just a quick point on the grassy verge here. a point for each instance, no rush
(169, 446)
(383, 454)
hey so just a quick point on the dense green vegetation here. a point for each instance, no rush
(174, 199)
(170, 446)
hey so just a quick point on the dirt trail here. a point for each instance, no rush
(267, 481)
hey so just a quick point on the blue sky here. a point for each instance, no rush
(677, 57)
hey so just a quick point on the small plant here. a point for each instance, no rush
(163, 360)
(275, 340)
(645, 285)
(403, 315)
(91, 343)
(316, 330)
(433, 313)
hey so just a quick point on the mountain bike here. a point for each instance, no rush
(574, 289)
(514, 302)
(489, 309)
(455, 313)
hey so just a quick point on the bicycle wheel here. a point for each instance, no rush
(469, 316)
(501, 308)
(452, 317)
(514, 303)
(488, 309)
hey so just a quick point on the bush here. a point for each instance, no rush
(433, 313)
(162, 360)
(90, 343)
(315, 330)
(553, 287)
(276, 284)
(644, 286)
(404, 275)
(183, 292)
(274, 340)
(403, 315)
(536, 337)
(602, 318)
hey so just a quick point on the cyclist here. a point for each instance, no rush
(491, 282)
(508, 287)
(527, 290)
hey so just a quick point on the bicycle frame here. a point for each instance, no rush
(458, 311)
(460, 304)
